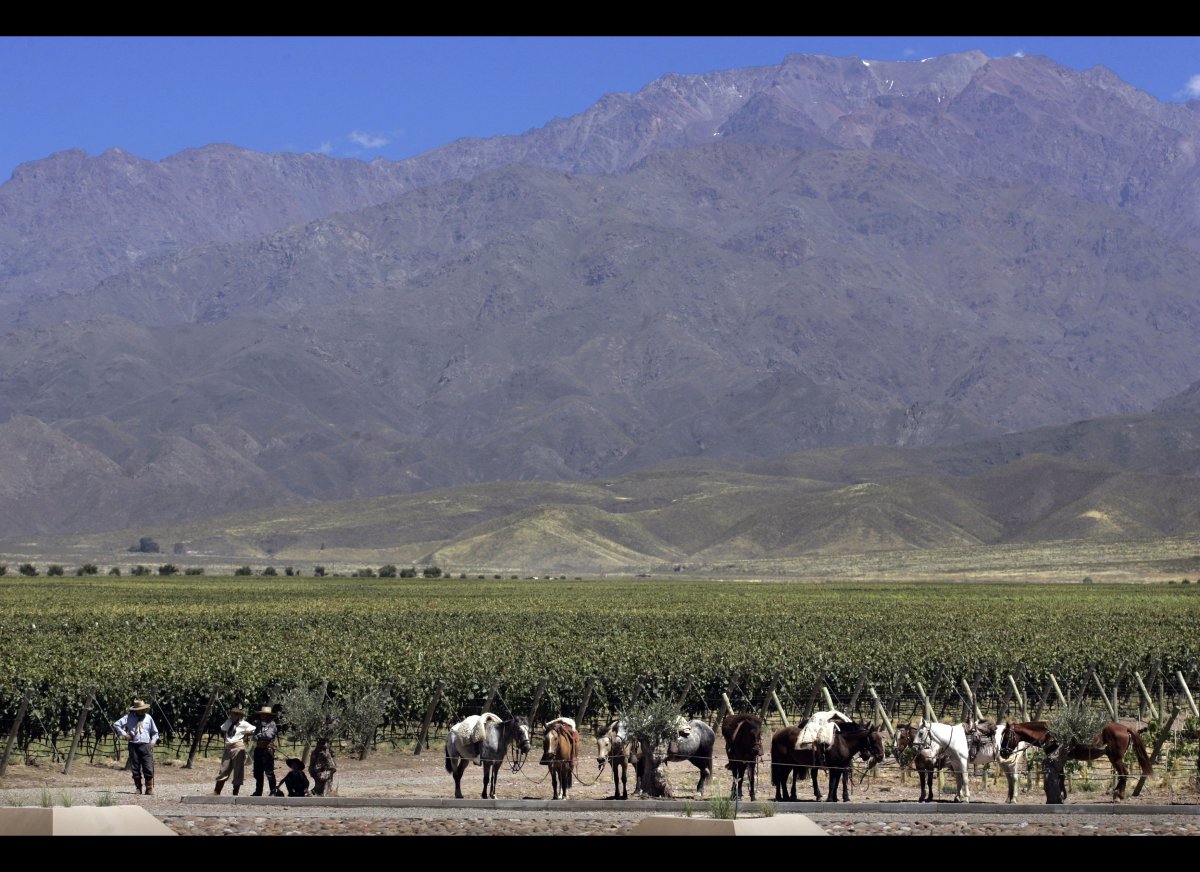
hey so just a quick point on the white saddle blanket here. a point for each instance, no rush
(473, 729)
(821, 729)
(570, 722)
(683, 726)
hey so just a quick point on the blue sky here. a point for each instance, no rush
(394, 97)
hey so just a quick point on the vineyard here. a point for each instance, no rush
(434, 650)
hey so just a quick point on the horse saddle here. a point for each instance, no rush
(566, 733)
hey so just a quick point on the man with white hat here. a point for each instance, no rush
(233, 760)
(140, 731)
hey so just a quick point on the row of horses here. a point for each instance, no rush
(935, 746)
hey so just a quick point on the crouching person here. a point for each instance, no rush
(296, 781)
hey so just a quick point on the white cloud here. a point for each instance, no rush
(366, 140)
(909, 52)
(326, 148)
(1019, 53)
(1192, 89)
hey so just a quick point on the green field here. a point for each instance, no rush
(178, 636)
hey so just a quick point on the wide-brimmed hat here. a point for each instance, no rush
(236, 710)
(295, 762)
(265, 710)
(139, 706)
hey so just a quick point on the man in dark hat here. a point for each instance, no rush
(296, 781)
(233, 760)
(139, 730)
(264, 751)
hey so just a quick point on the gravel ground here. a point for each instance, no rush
(400, 774)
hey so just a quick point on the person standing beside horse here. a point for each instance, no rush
(264, 752)
(140, 731)
(233, 760)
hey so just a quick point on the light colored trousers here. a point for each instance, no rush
(233, 762)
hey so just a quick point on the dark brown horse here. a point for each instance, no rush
(851, 739)
(743, 747)
(1111, 742)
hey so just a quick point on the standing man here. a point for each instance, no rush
(264, 751)
(139, 730)
(233, 760)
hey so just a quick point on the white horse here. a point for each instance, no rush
(984, 741)
(948, 742)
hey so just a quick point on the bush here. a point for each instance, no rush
(1087, 579)
(114, 570)
(462, 575)
(194, 570)
(432, 572)
(243, 570)
(3, 568)
(408, 573)
(140, 570)
(289, 571)
(54, 569)
(1186, 581)
(365, 572)
(145, 545)
(90, 569)
(270, 570)
(387, 571)
(319, 571)
(27, 569)
(168, 569)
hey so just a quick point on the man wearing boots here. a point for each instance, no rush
(139, 730)
(264, 751)
(233, 760)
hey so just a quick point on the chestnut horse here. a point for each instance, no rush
(743, 747)
(1111, 742)
(560, 752)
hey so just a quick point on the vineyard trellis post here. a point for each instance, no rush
(686, 690)
(79, 725)
(199, 733)
(1042, 700)
(12, 734)
(588, 687)
(887, 723)
(423, 735)
(1020, 699)
(858, 689)
(1104, 696)
(937, 685)
(491, 697)
(926, 707)
(537, 701)
(1187, 692)
(1148, 700)
(1057, 690)
(1163, 733)
(725, 706)
(825, 695)
(779, 705)
(766, 703)
(812, 697)
(970, 702)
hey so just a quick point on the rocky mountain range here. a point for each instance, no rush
(827, 252)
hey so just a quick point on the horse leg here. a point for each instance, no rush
(487, 771)
(458, 774)
(846, 784)
(1118, 765)
(833, 785)
(816, 784)
(1012, 782)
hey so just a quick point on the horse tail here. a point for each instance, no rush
(449, 767)
(779, 774)
(1139, 748)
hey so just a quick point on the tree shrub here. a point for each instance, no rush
(243, 570)
(27, 569)
(54, 569)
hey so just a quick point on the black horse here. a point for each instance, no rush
(850, 739)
